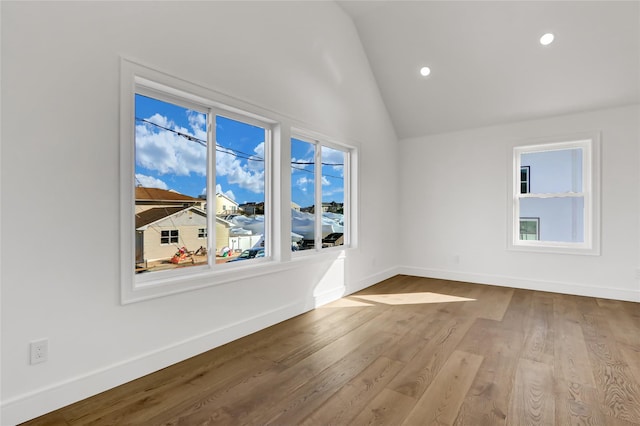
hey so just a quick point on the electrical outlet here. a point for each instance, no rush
(39, 351)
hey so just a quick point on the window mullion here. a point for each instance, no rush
(553, 195)
(211, 188)
(318, 196)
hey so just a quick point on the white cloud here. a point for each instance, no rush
(257, 166)
(303, 181)
(247, 177)
(300, 167)
(325, 181)
(166, 152)
(334, 156)
(197, 120)
(330, 155)
(169, 153)
(160, 120)
(150, 182)
(228, 193)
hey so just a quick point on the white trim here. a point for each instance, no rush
(569, 288)
(350, 180)
(142, 79)
(590, 145)
(373, 279)
(35, 403)
(138, 79)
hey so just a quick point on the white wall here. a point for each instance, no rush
(60, 89)
(455, 226)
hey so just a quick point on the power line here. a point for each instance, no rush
(227, 150)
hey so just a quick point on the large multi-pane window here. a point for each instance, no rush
(178, 148)
(197, 187)
(318, 194)
(555, 201)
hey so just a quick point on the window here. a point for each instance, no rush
(169, 237)
(529, 228)
(524, 179)
(197, 188)
(173, 167)
(319, 194)
(556, 204)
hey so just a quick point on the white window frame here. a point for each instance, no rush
(138, 79)
(136, 288)
(590, 145)
(349, 205)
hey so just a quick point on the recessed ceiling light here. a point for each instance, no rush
(546, 39)
(425, 71)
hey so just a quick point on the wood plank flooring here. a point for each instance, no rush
(407, 351)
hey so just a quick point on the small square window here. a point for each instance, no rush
(524, 179)
(169, 237)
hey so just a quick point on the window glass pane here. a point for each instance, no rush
(240, 184)
(554, 171)
(529, 228)
(560, 219)
(170, 180)
(333, 161)
(302, 195)
(524, 180)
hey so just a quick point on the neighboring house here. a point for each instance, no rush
(154, 197)
(161, 231)
(225, 205)
(333, 207)
(252, 208)
(295, 206)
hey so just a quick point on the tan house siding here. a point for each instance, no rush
(186, 222)
(225, 205)
(222, 235)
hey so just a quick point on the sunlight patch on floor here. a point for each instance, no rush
(412, 298)
(345, 303)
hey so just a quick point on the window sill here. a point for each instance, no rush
(551, 248)
(174, 282)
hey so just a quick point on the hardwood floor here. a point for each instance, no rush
(407, 351)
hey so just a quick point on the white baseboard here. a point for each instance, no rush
(41, 401)
(33, 404)
(373, 279)
(329, 296)
(524, 283)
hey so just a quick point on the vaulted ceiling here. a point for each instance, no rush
(487, 64)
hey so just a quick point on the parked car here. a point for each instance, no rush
(249, 254)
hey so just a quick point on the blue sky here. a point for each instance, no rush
(166, 159)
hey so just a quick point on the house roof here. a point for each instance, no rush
(221, 195)
(157, 194)
(155, 214)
